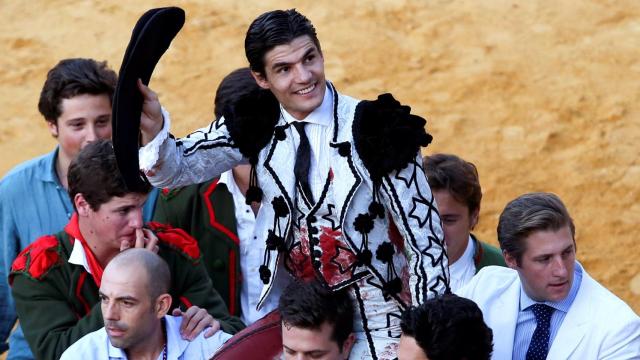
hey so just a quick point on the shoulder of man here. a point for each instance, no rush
(488, 281)
(606, 302)
(387, 136)
(251, 121)
(37, 259)
(93, 345)
(25, 170)
(167, 194)
(184, 192)
(178, 240)
(486, 255)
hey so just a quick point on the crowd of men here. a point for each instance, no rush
(297, 201)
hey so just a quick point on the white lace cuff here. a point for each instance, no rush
(148, 154)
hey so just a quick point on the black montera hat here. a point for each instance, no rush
(150, 38)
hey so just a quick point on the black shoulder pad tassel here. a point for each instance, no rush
(387, 136)
(251, 121)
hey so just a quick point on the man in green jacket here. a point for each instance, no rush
(456, 188)
(55, 280)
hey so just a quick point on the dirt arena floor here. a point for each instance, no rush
(541, 96)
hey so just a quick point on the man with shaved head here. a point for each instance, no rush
(134, 301)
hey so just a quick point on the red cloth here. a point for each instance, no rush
(40, 256)
(176, 238)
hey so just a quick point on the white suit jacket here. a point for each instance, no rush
(598, 325)
(420, 260)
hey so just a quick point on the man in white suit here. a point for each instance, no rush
(545, 305)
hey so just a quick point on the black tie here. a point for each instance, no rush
(303, 161)
(539, 345)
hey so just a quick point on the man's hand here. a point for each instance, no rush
(145, 238)
(194, 320)
(151, 118)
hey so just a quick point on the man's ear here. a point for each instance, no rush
(261, 79)
(163, 304)
(82, 206)
(53, 128)
(347, 345)
(510, 260)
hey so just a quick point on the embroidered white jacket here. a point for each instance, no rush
(421, 257)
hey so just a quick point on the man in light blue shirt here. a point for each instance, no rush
(134, 302)
(545, 305)
(76, 104)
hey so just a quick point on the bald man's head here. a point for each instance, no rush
(134, 297)
(151, 268)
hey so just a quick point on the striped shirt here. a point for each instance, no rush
(526, 323)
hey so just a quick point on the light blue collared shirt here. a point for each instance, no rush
(96, 345)
(33, 203)
(526, 323)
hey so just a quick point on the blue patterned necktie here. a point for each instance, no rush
(539, 345)
(303, 161)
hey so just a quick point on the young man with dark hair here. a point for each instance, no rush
(55, 280)
(447, 327)
(456, 188)
(545, 305)
(135, 299)
(217, 215)
(316, 322)
(344, 199)
(75, 101)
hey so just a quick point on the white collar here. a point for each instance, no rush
(175, 343)
(322, 115)
(78, 256)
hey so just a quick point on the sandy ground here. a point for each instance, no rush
(541, 96)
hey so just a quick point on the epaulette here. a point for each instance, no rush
(37, 259)
(167, 194)
(177, 239)
(387, 136)
(251, 122)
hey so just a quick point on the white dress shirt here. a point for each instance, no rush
(463, 269)
(96, 345)
(319, 130)
(251, 254)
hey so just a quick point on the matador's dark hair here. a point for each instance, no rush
(273, 28)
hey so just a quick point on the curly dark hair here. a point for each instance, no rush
(459, 177)
(94, 174)
(73, 77)
(273, 28)
(308, 305)
(449, 327)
